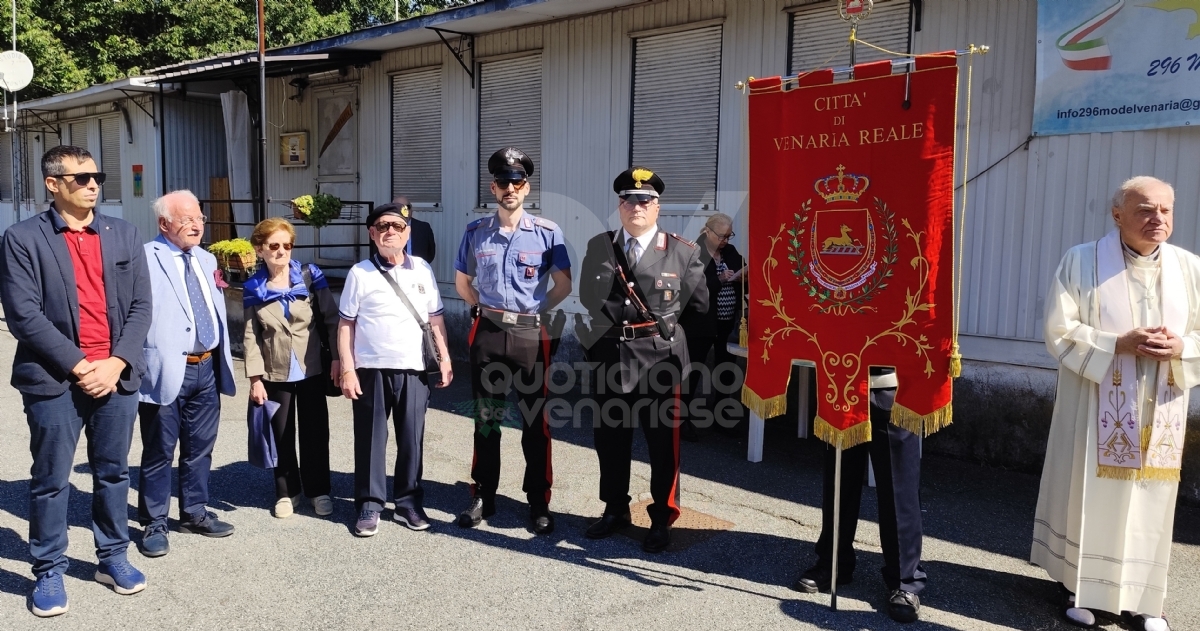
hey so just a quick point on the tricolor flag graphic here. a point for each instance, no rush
(1079, 53)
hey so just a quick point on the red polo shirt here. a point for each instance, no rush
(95, 337)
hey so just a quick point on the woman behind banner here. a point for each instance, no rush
(722, 274)
(283, 363)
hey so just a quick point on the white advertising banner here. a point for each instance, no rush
(1116, 65)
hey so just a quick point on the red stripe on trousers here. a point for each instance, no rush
(474, 455)
(545, 414)
(672, 501)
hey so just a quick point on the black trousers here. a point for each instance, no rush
(896, 456)
(698, 386)
(303, 411)
(404, 395)
(657, 410)
(503, 358)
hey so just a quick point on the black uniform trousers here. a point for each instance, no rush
(304, 399)
(404, 395)
(504, 357)
(895, 454)
(656, 408)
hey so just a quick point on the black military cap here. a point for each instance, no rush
(639, 180)
(510, 163)
(399, 210)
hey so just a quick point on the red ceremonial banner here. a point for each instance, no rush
(851, 242)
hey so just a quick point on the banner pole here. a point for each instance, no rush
(837, 518)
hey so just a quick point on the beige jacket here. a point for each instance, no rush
(271, 337)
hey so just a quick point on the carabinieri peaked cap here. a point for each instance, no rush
(639, 180)
(510, 163)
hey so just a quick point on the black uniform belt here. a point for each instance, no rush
(511, 317)
(632, 331)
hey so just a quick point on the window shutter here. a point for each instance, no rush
(110, 158)
(79, 135)
(417, 135)
(818, 31)
(510, 114)
(676, 109)
(6, 172)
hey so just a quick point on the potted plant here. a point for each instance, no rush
(234, 255)
(317, 210)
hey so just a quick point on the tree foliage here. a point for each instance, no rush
(77, 43)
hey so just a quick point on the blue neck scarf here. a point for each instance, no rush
(256, 292)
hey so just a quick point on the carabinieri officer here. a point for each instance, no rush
(637, 282)
(512, 256)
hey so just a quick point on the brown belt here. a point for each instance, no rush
(196, 358)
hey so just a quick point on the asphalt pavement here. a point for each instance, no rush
(310, 572)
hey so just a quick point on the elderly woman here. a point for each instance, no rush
(284, 308)
(723, 274)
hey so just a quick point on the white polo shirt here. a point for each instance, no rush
(385, 333)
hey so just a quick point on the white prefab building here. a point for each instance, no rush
(588, 87)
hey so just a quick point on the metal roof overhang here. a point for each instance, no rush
(245, 65)
(475, 19)
(100, 93)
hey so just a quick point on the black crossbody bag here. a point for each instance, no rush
(428, 346)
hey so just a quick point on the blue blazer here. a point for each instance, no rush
(41, 303)
(172, 333)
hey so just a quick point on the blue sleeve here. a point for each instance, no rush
(560, 261)
(465, 261)
(319, 281)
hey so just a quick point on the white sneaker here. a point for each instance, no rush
(323, 505)
(286, 506)
(1081, 617)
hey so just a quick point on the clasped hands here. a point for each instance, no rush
(99, 378)
(1154, 342)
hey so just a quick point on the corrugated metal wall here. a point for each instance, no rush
(195, 144)
(1022, 214)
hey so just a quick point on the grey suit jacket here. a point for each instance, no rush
(41, 302)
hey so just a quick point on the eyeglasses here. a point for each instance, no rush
(187, 221)
(724, 237)
(503, 184)
(83, 179)
(274, 247)
(383, 226)
(638, 198)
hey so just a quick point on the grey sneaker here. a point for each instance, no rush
(411, 518)
(367, 524)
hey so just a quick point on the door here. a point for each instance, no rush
(337, 174)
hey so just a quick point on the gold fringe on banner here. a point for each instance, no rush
(1117, 473)
(1157, 474)
(849, 437)
(764, 408)
(922, 425)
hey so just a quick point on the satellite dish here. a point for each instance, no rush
(16, 71)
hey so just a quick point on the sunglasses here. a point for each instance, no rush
(83, 179)
(274, 247)
(383, 226)
(503, 184)
(638, 198)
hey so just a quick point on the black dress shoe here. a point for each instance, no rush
(903, 606)
(480, 507)
(817, 579)
(657, 539)
(542, 520)
(208, 525)
(608, 525)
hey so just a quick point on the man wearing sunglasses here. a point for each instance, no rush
(190, 367)
(76, 294)
(511, 257)
(638, 281)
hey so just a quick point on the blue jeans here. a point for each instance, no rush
(54, 426)
(191, 421)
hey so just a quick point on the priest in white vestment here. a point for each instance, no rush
(1122, 320)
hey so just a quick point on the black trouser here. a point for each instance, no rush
(896, 457)
(304, 399)
(698, 347)
(657, 410)
(504, 357)
(403, 394)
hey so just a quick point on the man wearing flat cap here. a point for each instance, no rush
(504, 269)
(638, 281)
(383, 368)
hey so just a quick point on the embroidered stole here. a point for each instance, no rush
(1125, 452)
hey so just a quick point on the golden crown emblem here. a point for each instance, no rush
(842, 187)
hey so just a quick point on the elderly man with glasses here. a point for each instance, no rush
(383, 369)
(638, 282)
(511, 257)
